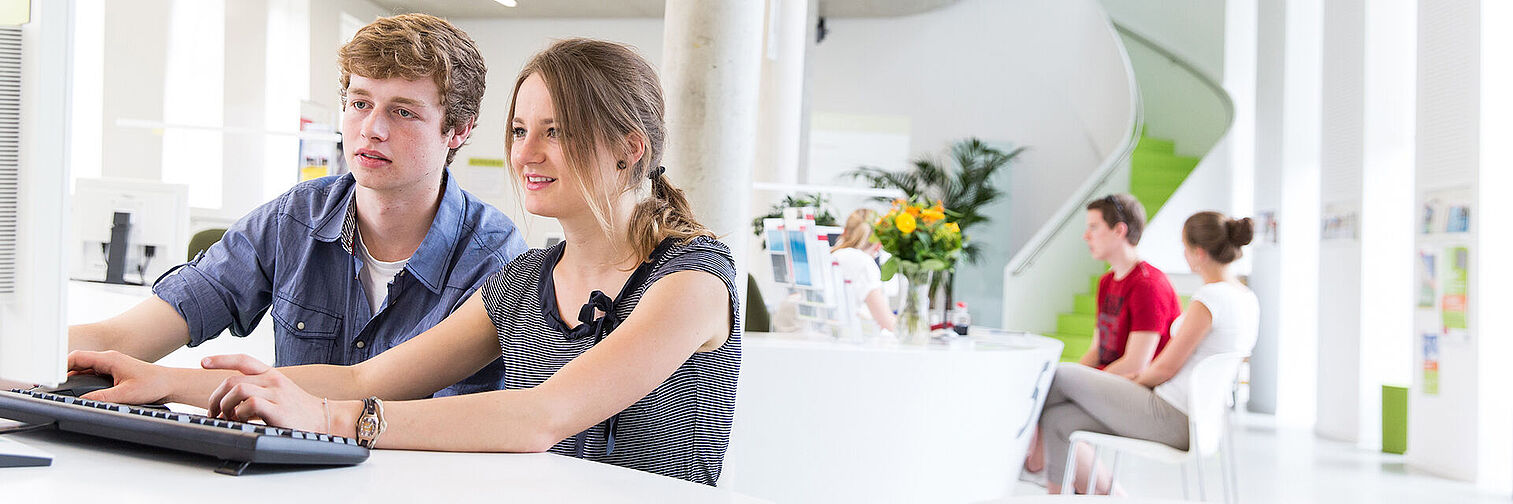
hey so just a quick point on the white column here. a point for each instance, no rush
(711, 72)
(1341, 414)
(782, 114)
(1285, 260)
(1386, 212)
(1265, 255)
(1459, 428)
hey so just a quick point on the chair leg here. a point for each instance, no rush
(1225, 471)
(1185, 494)
(1069, 478)
(1113, 473)
(1092, 472)
(1198, 471)
(1229, 452)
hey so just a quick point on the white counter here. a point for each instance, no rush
(824, 421)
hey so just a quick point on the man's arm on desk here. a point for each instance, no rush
(148, 331)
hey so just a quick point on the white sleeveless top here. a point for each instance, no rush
(1237, 316)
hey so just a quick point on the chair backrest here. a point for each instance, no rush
(1207, 399)
(203, 240)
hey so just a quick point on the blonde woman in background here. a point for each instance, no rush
(856, 254)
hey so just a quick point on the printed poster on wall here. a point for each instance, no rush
(1453, 302)
(1428, 287)
(1431, 364)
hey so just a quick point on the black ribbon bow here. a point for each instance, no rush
(590, 325)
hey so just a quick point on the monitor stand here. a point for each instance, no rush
(15, 454)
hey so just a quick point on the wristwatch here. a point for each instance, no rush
(370, 424)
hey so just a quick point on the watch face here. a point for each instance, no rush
(367, 427)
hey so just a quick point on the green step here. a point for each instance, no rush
(1170, 178)
(1156, 145)
(1074, 346)
(1086, 304)
(1155, 161)
(1076, 324)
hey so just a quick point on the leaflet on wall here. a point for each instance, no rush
(1268, 221)
(1431, 363)
(1428, 288)
(1446, 211)
(1453, 302)
(1341, 221)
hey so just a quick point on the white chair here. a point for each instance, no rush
(1212, 381)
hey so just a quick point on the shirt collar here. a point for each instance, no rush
(431, 261)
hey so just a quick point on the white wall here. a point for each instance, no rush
(1192, 28)
(135, 49)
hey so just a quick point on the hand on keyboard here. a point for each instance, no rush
(137, 382)
(262, 392)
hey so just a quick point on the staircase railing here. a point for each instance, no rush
(1106, 170)
(1062, 231)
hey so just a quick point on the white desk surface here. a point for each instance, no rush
(124, 472)
(130, 473)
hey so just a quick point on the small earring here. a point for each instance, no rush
(620, 164)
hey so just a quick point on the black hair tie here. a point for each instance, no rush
(656, 172)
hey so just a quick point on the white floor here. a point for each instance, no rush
(1292, 465)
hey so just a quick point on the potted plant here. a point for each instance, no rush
(966, 188)
(823, 216)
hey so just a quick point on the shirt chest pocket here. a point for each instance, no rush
(304, 335)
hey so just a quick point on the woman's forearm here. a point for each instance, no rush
(499, 421)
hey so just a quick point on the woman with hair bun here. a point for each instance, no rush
(1222, 317)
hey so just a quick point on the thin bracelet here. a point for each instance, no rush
(326, 403)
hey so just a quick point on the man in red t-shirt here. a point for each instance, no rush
(1136, 303)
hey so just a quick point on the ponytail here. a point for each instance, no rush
(666, 214)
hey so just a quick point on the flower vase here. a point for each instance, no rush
(913, 316)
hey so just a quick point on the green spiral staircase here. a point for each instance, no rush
(1156, 171)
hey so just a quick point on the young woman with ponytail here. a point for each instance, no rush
(1223, 316)
(620, 344)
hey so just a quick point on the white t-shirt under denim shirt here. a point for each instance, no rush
(377, 275)
(1236, 318)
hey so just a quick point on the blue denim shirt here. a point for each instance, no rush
(294, 255)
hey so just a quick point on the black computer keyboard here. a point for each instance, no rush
(237, 444)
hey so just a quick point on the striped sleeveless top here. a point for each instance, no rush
(682, 428)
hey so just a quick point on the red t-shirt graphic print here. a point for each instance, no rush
(1141, 301)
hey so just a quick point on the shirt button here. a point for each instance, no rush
(361, 344)
(299, 325)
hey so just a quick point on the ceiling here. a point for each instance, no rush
(456, 9)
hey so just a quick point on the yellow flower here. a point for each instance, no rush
(952, 227)
(905, 223)
(913, 211)
(931, 215)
